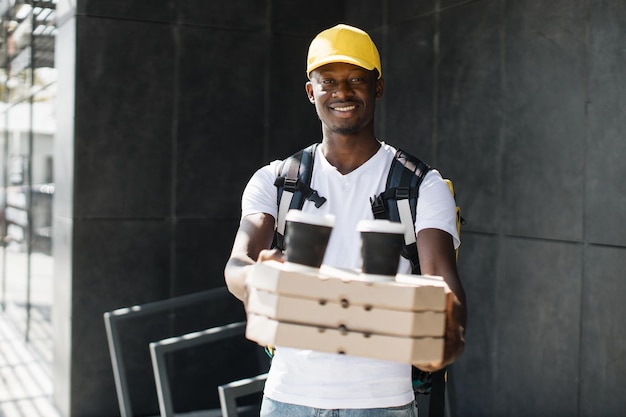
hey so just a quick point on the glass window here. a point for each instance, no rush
(27, 130)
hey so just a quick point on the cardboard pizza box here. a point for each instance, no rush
(407, 292)
(266, 331)
(331, 314)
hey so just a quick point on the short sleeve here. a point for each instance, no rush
(260, 195)
(436, 207)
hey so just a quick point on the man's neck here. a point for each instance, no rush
(348, 152)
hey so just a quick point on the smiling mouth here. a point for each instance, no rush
(344, 108)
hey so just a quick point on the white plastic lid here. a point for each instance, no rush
(299, 216)
(380, 226)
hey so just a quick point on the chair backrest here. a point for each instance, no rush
(228, 335)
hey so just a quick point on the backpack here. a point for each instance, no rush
(398, 203)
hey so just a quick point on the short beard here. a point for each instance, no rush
(347, 130)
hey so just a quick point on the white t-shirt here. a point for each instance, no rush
(333, 381)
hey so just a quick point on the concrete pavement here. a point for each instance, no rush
(25, 374)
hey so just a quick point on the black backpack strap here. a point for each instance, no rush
(437, 401)
(293, 186)
(398, 202)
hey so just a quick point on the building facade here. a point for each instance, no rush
(28, 126)
(163, 111)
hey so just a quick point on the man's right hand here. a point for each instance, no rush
(271, 255)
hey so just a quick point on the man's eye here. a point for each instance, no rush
(357, 79)
(327, 81)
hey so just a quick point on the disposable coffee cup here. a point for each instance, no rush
(306, 238)
(381, 245)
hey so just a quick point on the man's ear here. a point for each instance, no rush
(309, 92)
(380, 86)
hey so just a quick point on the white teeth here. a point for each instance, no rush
(347, 108)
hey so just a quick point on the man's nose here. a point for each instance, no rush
(343, 90)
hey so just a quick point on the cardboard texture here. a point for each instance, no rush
(351, 317)
(266, 331)
(336, 311)
(413, 293)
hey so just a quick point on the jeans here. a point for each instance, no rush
(271, 408)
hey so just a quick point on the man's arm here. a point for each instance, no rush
(252, 243)
(437, 257)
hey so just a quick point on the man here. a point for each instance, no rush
(351, 165)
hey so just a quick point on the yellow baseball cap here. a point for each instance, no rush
(343, 43)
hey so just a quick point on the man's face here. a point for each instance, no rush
(344, 96)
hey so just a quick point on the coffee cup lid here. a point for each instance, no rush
(380, 226)
(299, 216)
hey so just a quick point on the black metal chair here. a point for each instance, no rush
(228, 393)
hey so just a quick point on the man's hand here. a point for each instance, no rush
(264, 255)
(454, 336)
(271, 255)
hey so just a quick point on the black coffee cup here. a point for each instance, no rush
(381, 244)
(306, 237)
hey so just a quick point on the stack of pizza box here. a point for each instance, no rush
(337, 311)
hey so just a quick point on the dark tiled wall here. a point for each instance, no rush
(606, 125)
(520, 103)
(175, 104)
